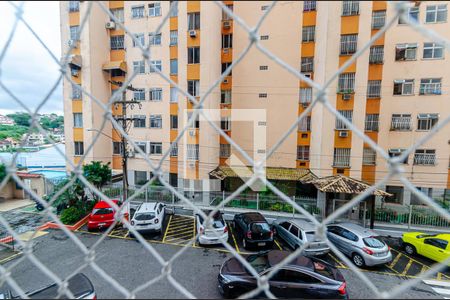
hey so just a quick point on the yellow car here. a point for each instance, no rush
(432, 246)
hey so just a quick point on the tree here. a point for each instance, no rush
(21, 118)
(98, 173)
(2, 172)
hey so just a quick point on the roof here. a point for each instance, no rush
(28, 175)
(147, 206)
(357, 229)
(272, 173)
(276, 256)
(304, 225)
(115, 65)
(343, 184)
(104, 204)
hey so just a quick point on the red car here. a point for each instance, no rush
(102, 215)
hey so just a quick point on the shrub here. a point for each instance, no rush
(71, 215)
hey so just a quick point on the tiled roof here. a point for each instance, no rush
(28, 175)
(272, 173)
(344, 184)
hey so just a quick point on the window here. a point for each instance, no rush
(264, 7)
(405, 52)
(350, 8)
(225, 16)
(262, 95)
(225, 150)
(305, 95)
(173, 179)
(225, 123)
(294, 230)
(378, 19)
(225, 97)
(341, 157)
(303, 153)
(173, 37)
(140, 38)
(137, 12)
(346, 83)
(426, 157)
(117, 42)
(426, 121)
(348, 114)
(397, 152)
(154, 39)
(376, 55)
(139, 67)
(76, 91)
(194, 21)
(155, 121)
(192, 152)
(118, 14)
(74, 6)
(436, 13)
(174, 67)
(139, 95)
(173, 95)
(348, 43)
(308, 34)
(263, 68)
(309, 5)
(438, 243)
(227, 41)
(369, 157)
(371, 122)
(140, 177)
(174, 9)
(305, 124)
(347, 234)
(155, 94)
(194, 55)
(412, 15)
(79, 148)
(404, 87)
(374, 89)
(264, 37)
(196, 123)
(117, 73)
(75, 71)
(401, 122)
(173, 149)
(155, 148)
(225, 67)
(142, 146)
(433, 51)
(194, 87)
(154, 9)
(139, 121)
(117, 148)
(73, 32)
(156, 64)
(397, 194)
(173, 122)
(430, 86)
(77, 120)
(307, 64)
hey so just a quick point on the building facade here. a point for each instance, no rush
(396, 90)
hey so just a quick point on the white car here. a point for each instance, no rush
(149, 217)
(216, 235)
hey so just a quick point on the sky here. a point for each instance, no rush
(27, 69)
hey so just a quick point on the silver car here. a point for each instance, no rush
(297, 232)
(360, 244)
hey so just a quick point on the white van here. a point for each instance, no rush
(149, 217)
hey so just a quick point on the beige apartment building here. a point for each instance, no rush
(396, 91)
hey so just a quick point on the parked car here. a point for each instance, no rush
(433, 246)
(253, 229)
(360, 244)
(149, 217)
(211, 236)
(102, 215)
(304, 277)
(79, 285)
(297, 232)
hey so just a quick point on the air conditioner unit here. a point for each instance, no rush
(226, 24)
(131, 154)
(305, 104)
(346, 97)
(110, 25)
(192, 33)
(343, 133)
(309, 75)
(192, 132)
(191, 164)
(225, 81)
(226, 50)
(72, 43)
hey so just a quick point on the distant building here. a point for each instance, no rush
(5, 145)
(36, 139)
(4, 120)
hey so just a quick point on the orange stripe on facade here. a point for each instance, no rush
(78, 134)
(77, 106)
(309, 18)
(116, 162)
(74, 18)
(117, 55)
(116, 4)
(193, 6)
(379, 5)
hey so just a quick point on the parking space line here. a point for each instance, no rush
(278, 245)
(168, 225)
(407, 267)
(338, 261)
(395, 260)
(184, 233)
(171, 231)
(234, 239)
(172, 228)
(193, 233)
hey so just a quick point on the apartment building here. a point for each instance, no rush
(396, 91)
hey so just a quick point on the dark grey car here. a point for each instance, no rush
(297, 232)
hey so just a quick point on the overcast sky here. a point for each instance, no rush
(27, 69)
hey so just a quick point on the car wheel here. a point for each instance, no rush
(358, 260)
(244, 243)
(410, 249)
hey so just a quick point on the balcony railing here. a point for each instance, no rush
(401, 124)
(427, 159)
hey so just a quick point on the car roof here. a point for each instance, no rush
(254, 216)
(304, 224)
(104, 204)
(276, 256)
(356, 229)
(147, 207)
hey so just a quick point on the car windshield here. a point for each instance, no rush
(144, 216)
(425, 235)
(260, 227)
(310, 235)
(258, 262)
(103, 211)
(217, 220)
(373, 242)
